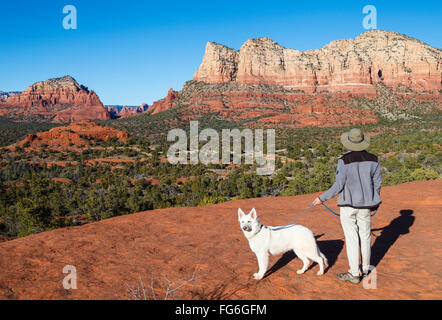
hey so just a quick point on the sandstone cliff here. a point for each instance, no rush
(220, 64)
(346, 82)
(58, 99)
(353, 65)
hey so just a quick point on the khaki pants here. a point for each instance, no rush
(356, 224)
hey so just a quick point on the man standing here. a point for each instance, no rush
(358, 183)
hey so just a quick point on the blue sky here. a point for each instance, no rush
(131, 52)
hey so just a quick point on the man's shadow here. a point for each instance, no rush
(330, 248)
(389, 234)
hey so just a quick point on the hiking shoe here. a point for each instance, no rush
(348, 277)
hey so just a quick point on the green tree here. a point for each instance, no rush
(33, 217)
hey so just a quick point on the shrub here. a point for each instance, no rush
(34, 219)
(424, 174)
(412, 163)
(393, 164)
(211, 200)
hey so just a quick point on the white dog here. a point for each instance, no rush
(263, 240)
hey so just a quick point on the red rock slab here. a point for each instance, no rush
(71, 135)
(111, 254)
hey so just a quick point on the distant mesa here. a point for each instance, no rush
(60, 100)
(74, 135)
(126, 111)
(6, 95)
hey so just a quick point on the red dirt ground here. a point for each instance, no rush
(111, 254)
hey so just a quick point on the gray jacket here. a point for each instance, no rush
(358, 181)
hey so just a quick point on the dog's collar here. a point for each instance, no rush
(260, 228)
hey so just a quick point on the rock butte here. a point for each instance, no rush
(59, 100)
(352, 65)
(276, 85)
(72, 135)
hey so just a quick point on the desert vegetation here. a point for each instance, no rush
(51, 188)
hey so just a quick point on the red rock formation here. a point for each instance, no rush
(286, 109)
(113, 111)
(127, 112)
(132, 111)
(72, 135)
(143, 108)
(166, 103)
(353, 65)
(324, 87)
(82, 112)
(220, 64)
(59, 100)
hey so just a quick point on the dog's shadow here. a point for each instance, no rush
(330, 248)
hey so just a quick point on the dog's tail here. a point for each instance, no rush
(324, 258)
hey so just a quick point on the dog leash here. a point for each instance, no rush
(337, 214)
(290, 224)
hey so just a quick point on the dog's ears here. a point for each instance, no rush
(253, 214)
(241, 214)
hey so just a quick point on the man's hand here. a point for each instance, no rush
(317, 201)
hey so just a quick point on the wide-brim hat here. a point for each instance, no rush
(355, 140)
